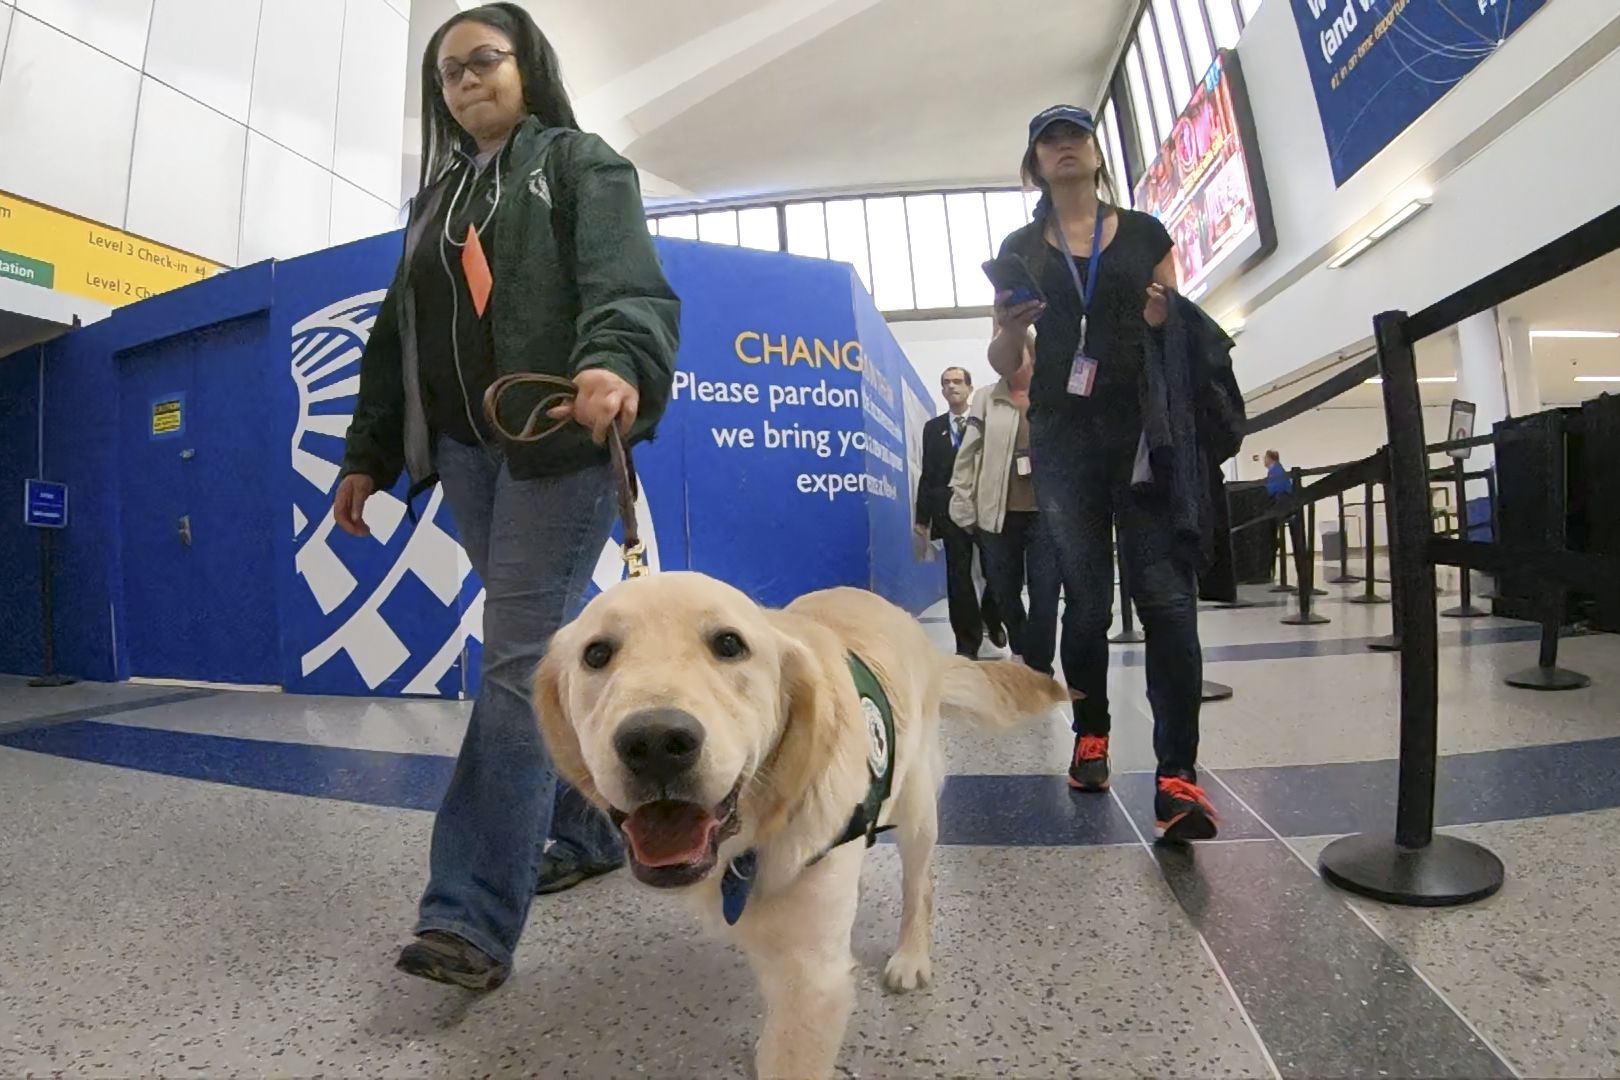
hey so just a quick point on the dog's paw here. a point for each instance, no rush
(908, 971)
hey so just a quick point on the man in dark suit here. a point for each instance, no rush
(971, 620)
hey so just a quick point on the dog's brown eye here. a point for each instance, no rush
(598, 654)
(728, 645)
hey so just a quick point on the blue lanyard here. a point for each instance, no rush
(1088, 291)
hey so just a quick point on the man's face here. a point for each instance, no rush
(956, 388)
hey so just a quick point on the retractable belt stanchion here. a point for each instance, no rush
(48, 675)
(1282, 585)
(1369, 565)
(1465, 608)
(1128, 633)
(1305, 570)
(1344, 576)
(1416, 866)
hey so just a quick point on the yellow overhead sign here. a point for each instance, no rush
(52, 250)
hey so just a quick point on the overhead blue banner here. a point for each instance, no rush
(1378, 65)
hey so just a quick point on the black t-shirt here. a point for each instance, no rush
(1116, 332)
(444, 307)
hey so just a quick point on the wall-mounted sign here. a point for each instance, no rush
(1207, 185)
(169, 416)
(1378, 65)
(52, 250)
(1461, 426)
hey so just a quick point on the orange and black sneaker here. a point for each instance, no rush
(1088, 771)
(1182, 811)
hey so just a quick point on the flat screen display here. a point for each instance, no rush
(1207, 186)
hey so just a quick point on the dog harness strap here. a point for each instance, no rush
(738, 880)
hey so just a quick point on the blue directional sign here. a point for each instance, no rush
(44, 504)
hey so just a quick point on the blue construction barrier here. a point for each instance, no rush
(200, 434)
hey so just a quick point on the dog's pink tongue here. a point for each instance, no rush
(669, 833)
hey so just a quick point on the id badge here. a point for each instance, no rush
(1082, 375)
(1021, 463)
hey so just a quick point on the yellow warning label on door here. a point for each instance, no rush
(47, 248)
(166, 416)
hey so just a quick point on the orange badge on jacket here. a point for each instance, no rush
(473, 263)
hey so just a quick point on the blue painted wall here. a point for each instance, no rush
(765, 492)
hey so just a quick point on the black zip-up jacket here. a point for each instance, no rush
(577, 285)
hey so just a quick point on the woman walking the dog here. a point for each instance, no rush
(526, 251)
(1112, 422)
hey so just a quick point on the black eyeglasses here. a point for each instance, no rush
(481, 62)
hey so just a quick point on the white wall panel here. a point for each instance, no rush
(295, 75)
(185, 188)
(357, 215)
(401, 6)
(204, 48)
(371, 95)
(73, 110)
(117, 27)
(5, 27)
(286, 203)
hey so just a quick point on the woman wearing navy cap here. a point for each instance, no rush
(1106, 274)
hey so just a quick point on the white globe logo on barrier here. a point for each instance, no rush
(326, 349)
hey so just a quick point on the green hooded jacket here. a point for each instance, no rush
(577, 285)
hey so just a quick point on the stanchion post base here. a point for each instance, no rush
(1128, 637)
(1343, 579)
(1364, 598)
(1445, 872)
(1236, 605)
(1215, 691)
(1464, 612)
(1385, 644)
(53, 680)
(1301, 619)
(1548, 678)
(1282, 588)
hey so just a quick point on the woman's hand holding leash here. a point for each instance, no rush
(602, 400)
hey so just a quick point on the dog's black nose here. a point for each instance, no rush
(658, 745)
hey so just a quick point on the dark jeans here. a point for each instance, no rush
(534, 544)
(971, 616)
(1022, 552)
(1082, 483)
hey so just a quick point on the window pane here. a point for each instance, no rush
(681, 225)
(652, 226)
(1223, 21)
(1031, 200)
(930, 251)
(756, 228)
(1249, 8)
(1163, 111)
(718, 227)
(1007, 214)
(970, 247)
(891, 255)
(1109, 138)
(1174, 59)
(846, 237)
(807, 229)
(1147, 138)
(1196, 35)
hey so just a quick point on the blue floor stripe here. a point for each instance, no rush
(72, 715)
(1009, 811)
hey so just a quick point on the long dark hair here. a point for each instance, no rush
(543, 90)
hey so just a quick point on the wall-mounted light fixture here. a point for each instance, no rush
(1379, 232)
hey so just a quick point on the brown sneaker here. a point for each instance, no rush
(443, 957)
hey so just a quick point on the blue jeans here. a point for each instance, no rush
(534, 544)
(1083, 486)
(1022, 552)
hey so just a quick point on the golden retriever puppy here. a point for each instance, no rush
(738, 749)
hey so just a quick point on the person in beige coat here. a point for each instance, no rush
(992, 493)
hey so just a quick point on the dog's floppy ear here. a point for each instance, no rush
(558, 728)
(808, 736)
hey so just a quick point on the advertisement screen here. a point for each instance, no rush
(1207, 186)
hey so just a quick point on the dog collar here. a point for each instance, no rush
(738, 881)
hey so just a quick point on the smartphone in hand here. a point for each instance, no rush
(1011, 274)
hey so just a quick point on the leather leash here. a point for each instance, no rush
(538, 425)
